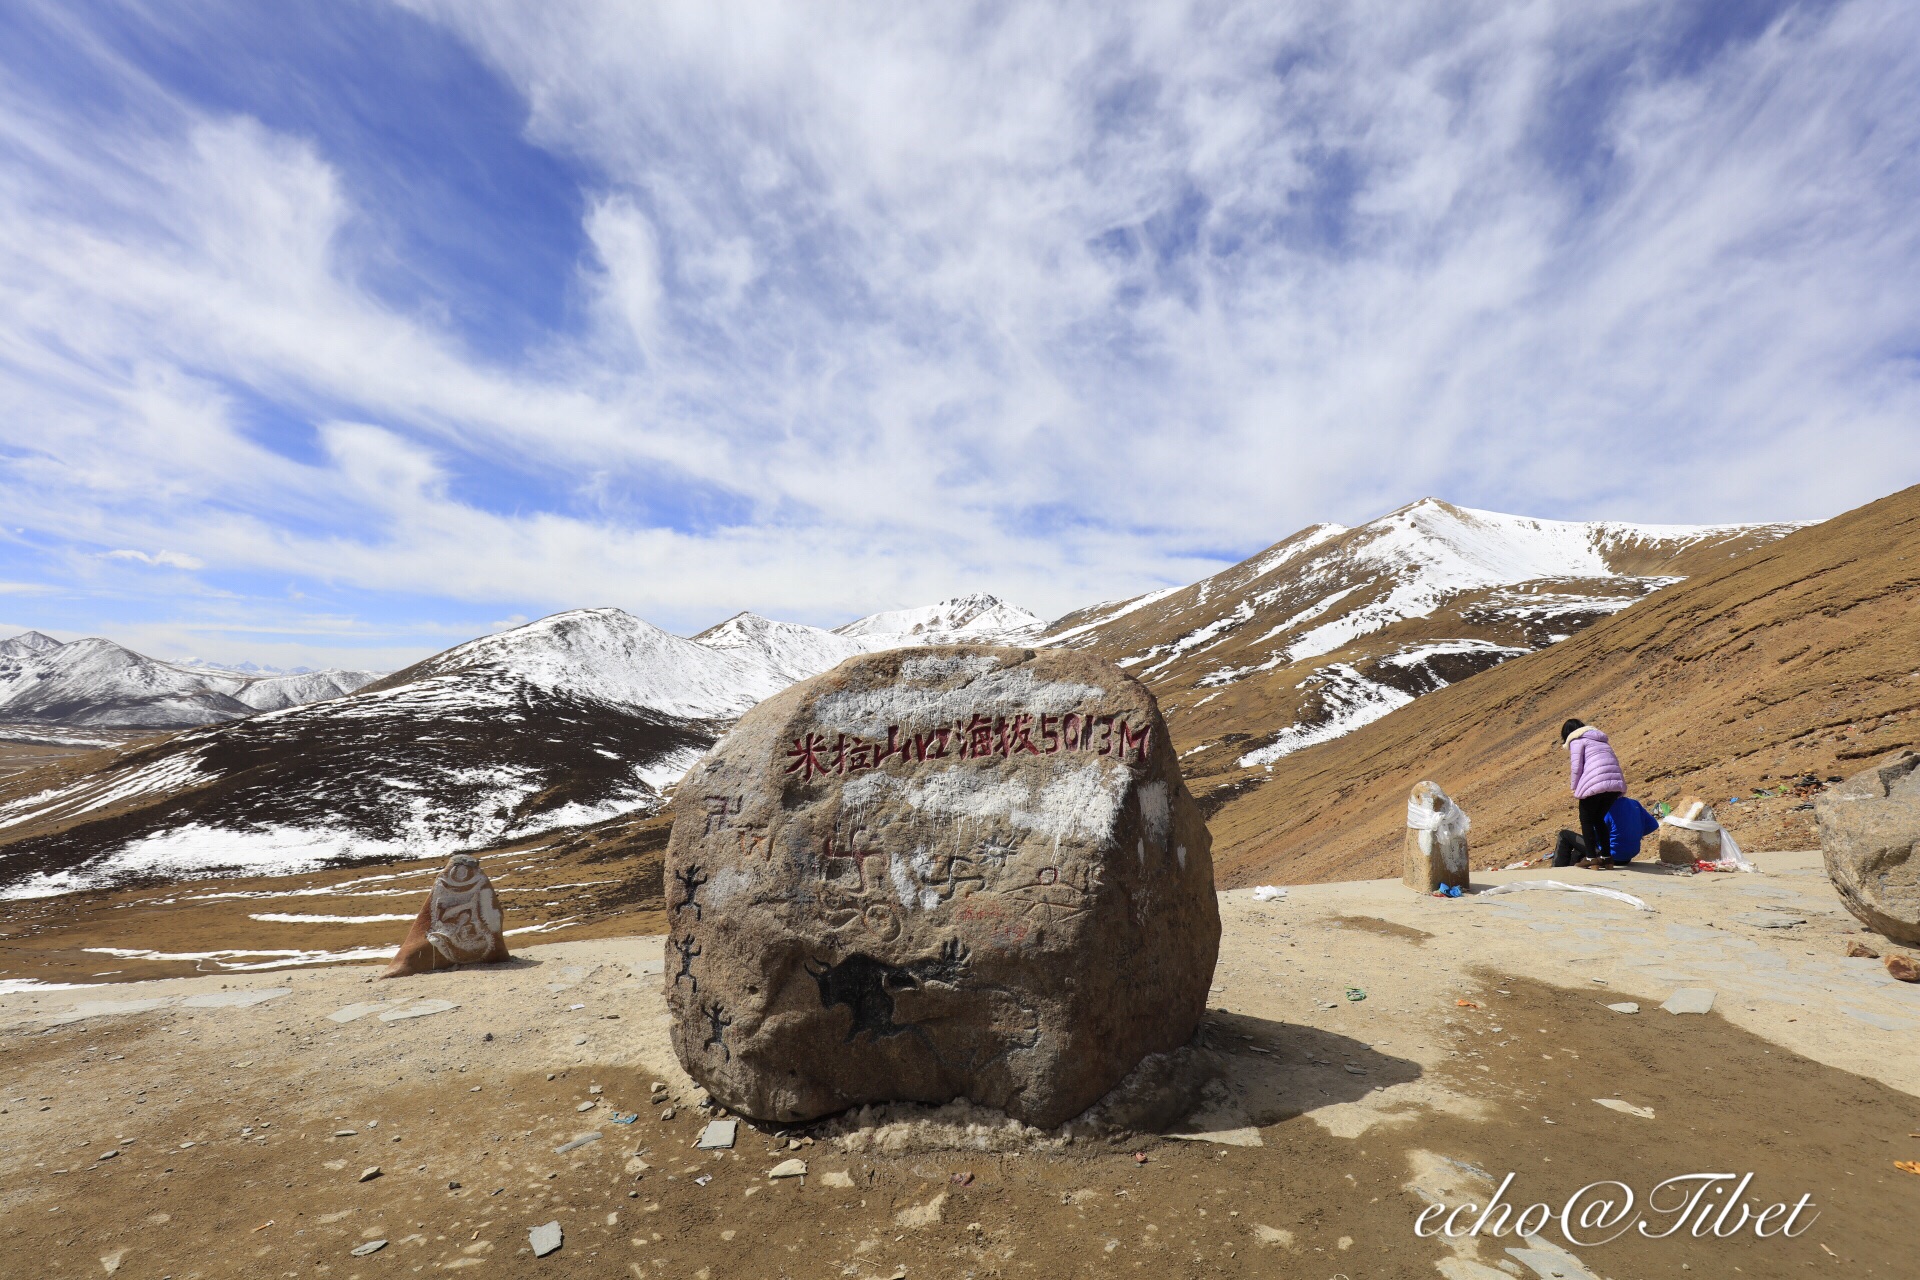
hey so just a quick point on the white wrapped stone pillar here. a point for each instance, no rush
(1436, 848)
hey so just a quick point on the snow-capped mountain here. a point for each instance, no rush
(297, 688)
(608, 655)
(100, 684)
(1335, 627)
(792, 649)
(26, 644)
(970, 619)
(95, 683)
(796, 651)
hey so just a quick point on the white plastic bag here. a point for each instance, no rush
(1521, 886)
(1449, 820)
(1269, 893)
(1730, 856)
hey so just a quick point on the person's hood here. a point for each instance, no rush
(1582, 732)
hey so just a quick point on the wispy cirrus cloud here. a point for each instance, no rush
(430, 315)
(157, 559)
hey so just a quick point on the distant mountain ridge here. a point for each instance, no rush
(99, 684)
(241, 668)
(583, 717)
(96, 683)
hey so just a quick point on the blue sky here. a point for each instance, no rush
(340, 332)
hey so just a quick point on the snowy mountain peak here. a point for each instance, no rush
(793, 649)
(742, 627)
(1447, 547)
(571, 629)
(977, 618)
(25, 643)
(608, 655)
(1457, 547)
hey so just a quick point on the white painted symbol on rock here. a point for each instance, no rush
(465, 915)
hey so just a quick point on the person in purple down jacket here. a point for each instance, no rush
(1597, 780)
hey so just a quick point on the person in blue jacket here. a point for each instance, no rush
(1626, 824)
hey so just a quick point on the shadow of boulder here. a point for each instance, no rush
(1264, 1072)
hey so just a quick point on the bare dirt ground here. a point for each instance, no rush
(25, 749)
(220, 1125)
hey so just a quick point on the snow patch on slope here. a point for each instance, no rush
(1351, 700)
(1123, 609)
(197, 850)
(1198, 638)
(1296, 546)
(1417, 655)
(173, 773)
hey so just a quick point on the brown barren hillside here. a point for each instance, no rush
(1794, 658)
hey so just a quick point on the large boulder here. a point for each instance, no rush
(459, 923)
(938, 873)
(1683, 846)
(1870, 836)
(1436, 847)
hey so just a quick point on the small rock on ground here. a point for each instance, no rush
(545, 1238)
(788, 1169)
(420, 1009)
(1625, 1006)
(922, 1215)
(1766, 920)
(370, 1247)
(1690, 1000)
(719, 1135)
(359, 1010)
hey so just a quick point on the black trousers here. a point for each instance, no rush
(1593, 822)
(1571, 848)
